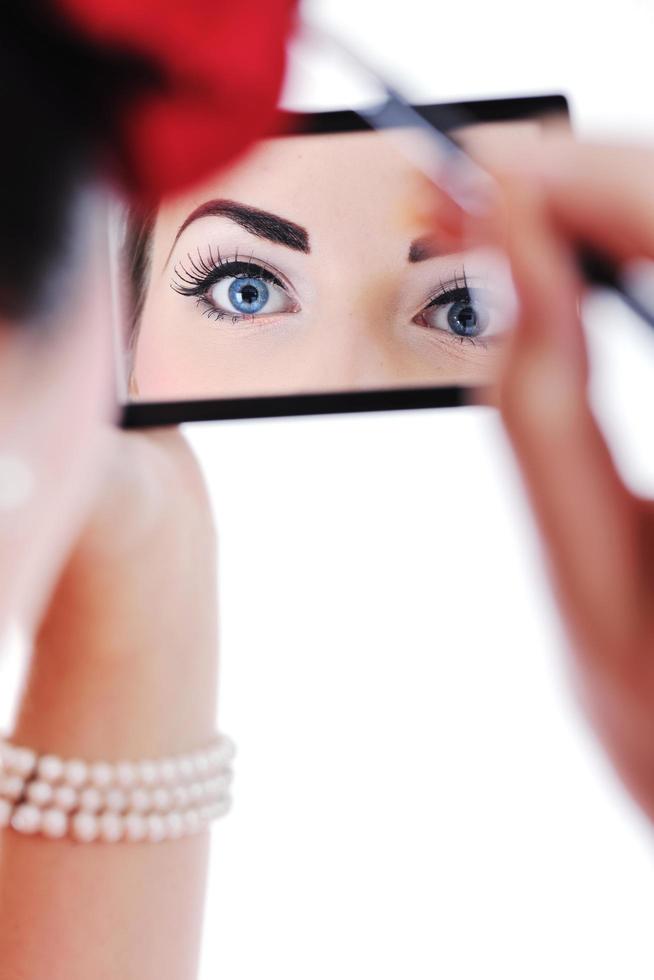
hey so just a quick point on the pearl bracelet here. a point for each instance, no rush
(149, 800)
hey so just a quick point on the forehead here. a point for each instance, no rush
(313, 180)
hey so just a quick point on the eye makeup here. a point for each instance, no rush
(457, 309)
(240, 289)
(233, 287)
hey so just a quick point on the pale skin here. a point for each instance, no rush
(134, 911)
(352, 315)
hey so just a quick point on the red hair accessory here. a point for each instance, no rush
(222, 65)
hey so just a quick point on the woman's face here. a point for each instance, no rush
(307, 267)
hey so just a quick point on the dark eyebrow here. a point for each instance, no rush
(263, 224)
(423, 248)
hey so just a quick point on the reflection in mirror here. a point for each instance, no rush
(315, 264)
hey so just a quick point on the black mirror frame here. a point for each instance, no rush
(139, 415)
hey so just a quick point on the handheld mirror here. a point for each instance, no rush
(310, 277)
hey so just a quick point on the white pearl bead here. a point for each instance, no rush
(205, 813)
(148, 772)
(85, 827)
(156, 828)
(39, 792)
(12, 787)
(126, 774)
(135, 827)
(225, 750)
(50, 767)
(8, 756)
(202, 763)
(65, 797)
(167, 771)
(195, 792)
(158, 778)
(6, 809)
(23, 761)
(116, 800)
(222, 782)
(75, 772)
(90, 799)
(174, 824)
(186, 767)
(218, 787)
(192, 823)
(101, 774)
(111, 827)
(139, 800)
(26, 818)
(54, 822)
(161, 799)
(180, 797)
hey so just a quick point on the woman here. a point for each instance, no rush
(74, 542)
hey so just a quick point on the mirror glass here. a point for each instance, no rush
(317, 263)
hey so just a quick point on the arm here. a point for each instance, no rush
(124, 666)
(598, 536)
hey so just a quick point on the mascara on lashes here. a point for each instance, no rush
(201, 276)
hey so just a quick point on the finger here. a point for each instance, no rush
(587, 517)
(602, 195)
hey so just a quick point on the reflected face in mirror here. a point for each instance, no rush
(308, 267)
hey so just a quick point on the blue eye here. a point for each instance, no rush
(248, 294)
(459, 310)
(465, 319)
(233, 289)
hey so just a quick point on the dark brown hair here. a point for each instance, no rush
(137, 255)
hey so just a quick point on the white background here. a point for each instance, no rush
(416, 794)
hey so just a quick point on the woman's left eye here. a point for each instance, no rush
(461, 311)
(248, 296)
(463, 317)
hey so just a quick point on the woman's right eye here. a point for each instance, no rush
(236, 289)
(249, 296)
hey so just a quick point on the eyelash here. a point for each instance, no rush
(455, 290)
(198, 277)
(452, 291)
